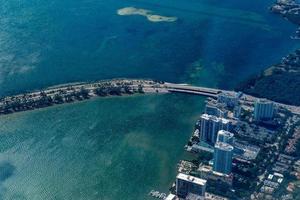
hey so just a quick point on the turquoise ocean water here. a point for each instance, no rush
(119, 148)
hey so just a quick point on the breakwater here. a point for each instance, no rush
(76, 92)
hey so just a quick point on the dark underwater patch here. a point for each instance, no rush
(6, 171)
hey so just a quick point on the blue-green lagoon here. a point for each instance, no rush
(121, 147)
(110, 148)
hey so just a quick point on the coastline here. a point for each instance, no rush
(146, 13)
(74, 92)
(280, 81)
(289, 66)
(52, 129)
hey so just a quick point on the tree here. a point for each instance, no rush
(115, 91)
(140, 89)
(84, 93)
(101, 91)
(58, 99)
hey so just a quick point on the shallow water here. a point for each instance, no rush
(100, 149)
(119, 147)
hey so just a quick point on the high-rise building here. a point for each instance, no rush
(223, 158)
(263, 110)
(186, 184)
(210, 125)
(237, 110)
(226, 137)
(228, 99)
(214, 110)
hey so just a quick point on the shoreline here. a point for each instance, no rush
(127, 11)
(95, 98)
(280, 81)
(262, 173)
(82, 91)
(76, 92)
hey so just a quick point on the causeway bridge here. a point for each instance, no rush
(41, 98)
(184, 88)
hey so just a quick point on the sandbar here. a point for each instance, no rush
(146, 13)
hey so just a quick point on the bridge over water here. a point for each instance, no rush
(197, 90)
(213, 93)
(35, 99)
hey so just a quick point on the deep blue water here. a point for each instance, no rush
(119, 147)
(44, 43)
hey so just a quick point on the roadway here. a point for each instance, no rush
(196, 90)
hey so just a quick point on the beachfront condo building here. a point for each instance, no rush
(223, 153)
(263, 110)
(210, 126)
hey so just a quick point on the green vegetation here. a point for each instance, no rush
(281, 87)
(220, 188)
(278, 83)
(296, 194)
(69, 94)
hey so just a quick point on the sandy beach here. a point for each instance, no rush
(146, 13)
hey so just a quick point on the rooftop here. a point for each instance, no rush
(192, 196)
(170, 197)
(209, 169)
(191, 179)
(224, 146)
(217, 119)
(227, 133)
(264, 101)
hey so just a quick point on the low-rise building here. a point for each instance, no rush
(186, 184)
(210, 196)
(206, 172)
(171, 197)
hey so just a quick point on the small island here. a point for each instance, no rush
(146, 13)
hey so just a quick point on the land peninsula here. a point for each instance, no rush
(272, 170)
(289, 9)
(280, 82)
(146, 13)
(73, 92)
